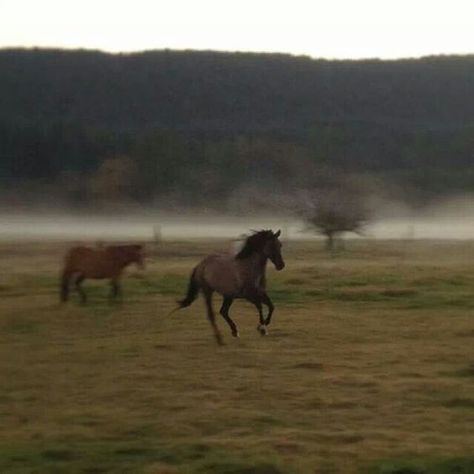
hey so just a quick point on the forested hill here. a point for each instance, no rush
(232, 92)
(204, 125)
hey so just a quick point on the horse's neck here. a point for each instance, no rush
(255, 264)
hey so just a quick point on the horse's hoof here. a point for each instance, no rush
(262, 329)
(236, 334)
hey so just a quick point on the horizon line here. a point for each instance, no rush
(220, 51)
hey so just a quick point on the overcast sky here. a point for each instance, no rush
(329, 29)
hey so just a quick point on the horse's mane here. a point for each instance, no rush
(254, 243)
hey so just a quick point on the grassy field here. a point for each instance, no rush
(368, 367)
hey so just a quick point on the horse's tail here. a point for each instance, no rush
(65, 285)
(191, 295)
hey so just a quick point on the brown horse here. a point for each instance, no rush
(240, 276)
(98, 263)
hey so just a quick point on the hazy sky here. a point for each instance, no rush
(330, 28)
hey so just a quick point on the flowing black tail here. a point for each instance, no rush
(192, 293)
(64, 286)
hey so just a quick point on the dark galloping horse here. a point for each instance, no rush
(240, 276)
(99, 263)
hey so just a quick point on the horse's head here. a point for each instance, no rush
(136, 255)
(272, 249)
(266, 244)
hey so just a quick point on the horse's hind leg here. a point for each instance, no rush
(211, 317)
(267, 301)
(78, 282)
(64, 292)
(226, 303)
(116, 290)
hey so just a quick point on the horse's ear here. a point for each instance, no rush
(277, 233)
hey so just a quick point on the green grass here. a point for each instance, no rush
(120, 456)
(422, 466)
(367, 367)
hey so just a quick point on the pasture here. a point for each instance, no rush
(368, 366)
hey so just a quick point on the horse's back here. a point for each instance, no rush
(92, 263)
(76, 254)
(219, 272)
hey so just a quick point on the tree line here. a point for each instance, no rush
(207, 127)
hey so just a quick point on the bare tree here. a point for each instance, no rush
(333, 212)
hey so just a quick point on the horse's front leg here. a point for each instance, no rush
(226, 303)
(267, 301)
(256, 298)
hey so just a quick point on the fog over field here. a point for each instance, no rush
(450, 219)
